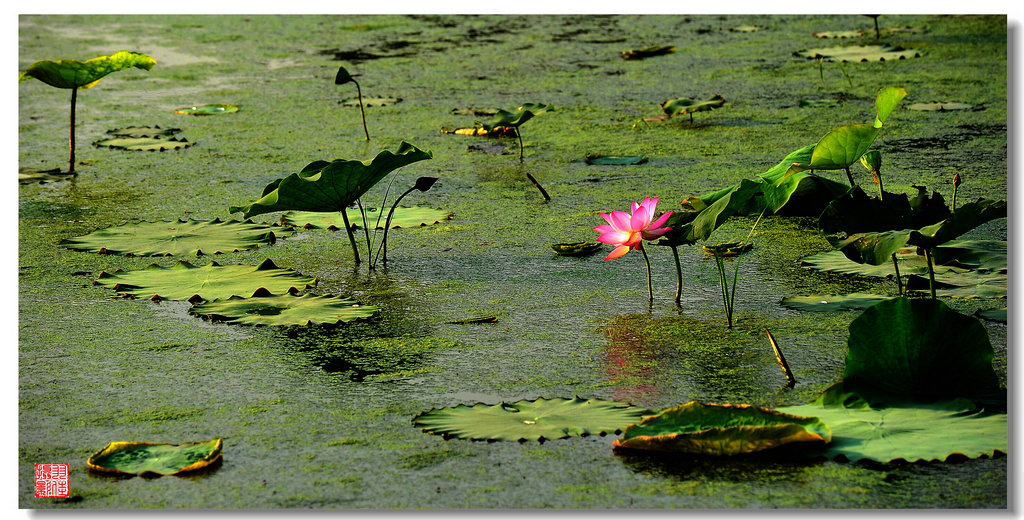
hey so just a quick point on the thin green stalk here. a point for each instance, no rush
(953, 210)
(931, 271)
(850, 176)
(723, 283)
(732, 295)
(647, 262)
(539, 187)
(366, 229)
(896, 267)
(387, 225)
(679, 274)
(881, 192)
(71, 161)
(842, 66)
(821, 70)
(359, 96)
(351, 237)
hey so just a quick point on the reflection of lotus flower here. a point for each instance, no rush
(626, 231)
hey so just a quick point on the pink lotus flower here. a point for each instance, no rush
(625, 231)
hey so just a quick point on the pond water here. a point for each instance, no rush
(321, 416)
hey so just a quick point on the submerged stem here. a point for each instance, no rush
(351, 237)
(647, 261)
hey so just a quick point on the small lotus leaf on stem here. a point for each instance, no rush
(343, 77)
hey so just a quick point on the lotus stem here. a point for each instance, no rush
(539, 187)
(821, 70)
(366, 230)
(359, 97)
(647, 262)
(351, 237)
(931, 271)
(878, 179)
(953, 208)
(732, 295)
(878, 34)
(723, 283)
(679, 274)
(896, 267)
(71, 161)
(387, 226)
(850, 176)
(790, 380)
(520, 144)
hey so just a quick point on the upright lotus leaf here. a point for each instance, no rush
(264, 308)
(77, 74)
(856, 212)
(184, 281)
(538, 420)
(745, 199)
(909, 431)
(404, 217)
(176, 238)
(149, 459)
(919, 349)
(675, 107)
(524, 113)
(721, 429)
(323, 186)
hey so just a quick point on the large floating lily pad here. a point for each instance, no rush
(264, 308)
(907, 431)
(537, 420)
(32, 175)
(149, 459)
(404, 217)
(180, 237)
(144, 144)
(859, 53)
(833, 303)
(144, 131)
(207, 110)
(721, 429)
(184, 281)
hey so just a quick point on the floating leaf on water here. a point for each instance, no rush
(833, 303)
(538, 420)
(31, 175)
(992, 314)
(941, 106)
(144, 131)
(404, 217)
(143, 144)
(728, 249)
(721, 429)
(155, 459)
(838, 34)
(675, 107)
(471, 321)
(180, 237)
(859, 53)
(264, 308)
(186, 282)
(370, 101)
(576, 248)
(615, 160)
(647, 52)
(499, 131)
(207, 110)
(904, 431)
(818, 103)
(744, 29)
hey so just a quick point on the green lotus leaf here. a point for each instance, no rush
(859, 53)
(28, 175)
(833, 303)
(78, 74)
(721, 429)
(143, 144)
(904, 431)
(264, 308)
(526, 112)
(855, 212)
(941, 106)
(919, 349)
(647, 52)
(837, 263)
(207, 110)
(330, 186)
(675, 107)
(370, 101)
(614, 160)
(576, 248)
(404, 217)
(727, 249)
(180, 237)
(474, 321)
(744, 29)
(183, 281)
(149, 459)
(539, 420)
(969, 285)
(992, 314)
(144, 131)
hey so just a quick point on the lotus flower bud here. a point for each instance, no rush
(424, 183)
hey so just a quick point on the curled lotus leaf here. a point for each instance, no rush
(538, 420)
(522, 114)
(859, 53)
(908, 431)
(184, 281)
(330, 186)
(647, 52)
(833, 302)
(576, 248)
(264, 308)
(370, 101)
(154, 459)
(176, 238)
(404, 217)
(213, 109)
(614, 160)
(143, 144)
(79, 74)
(721, 429)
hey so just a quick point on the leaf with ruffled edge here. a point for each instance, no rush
(264, 308)
(184, 281)
(154, 459)
(78, 74)
(176, 238)
(405, 217)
